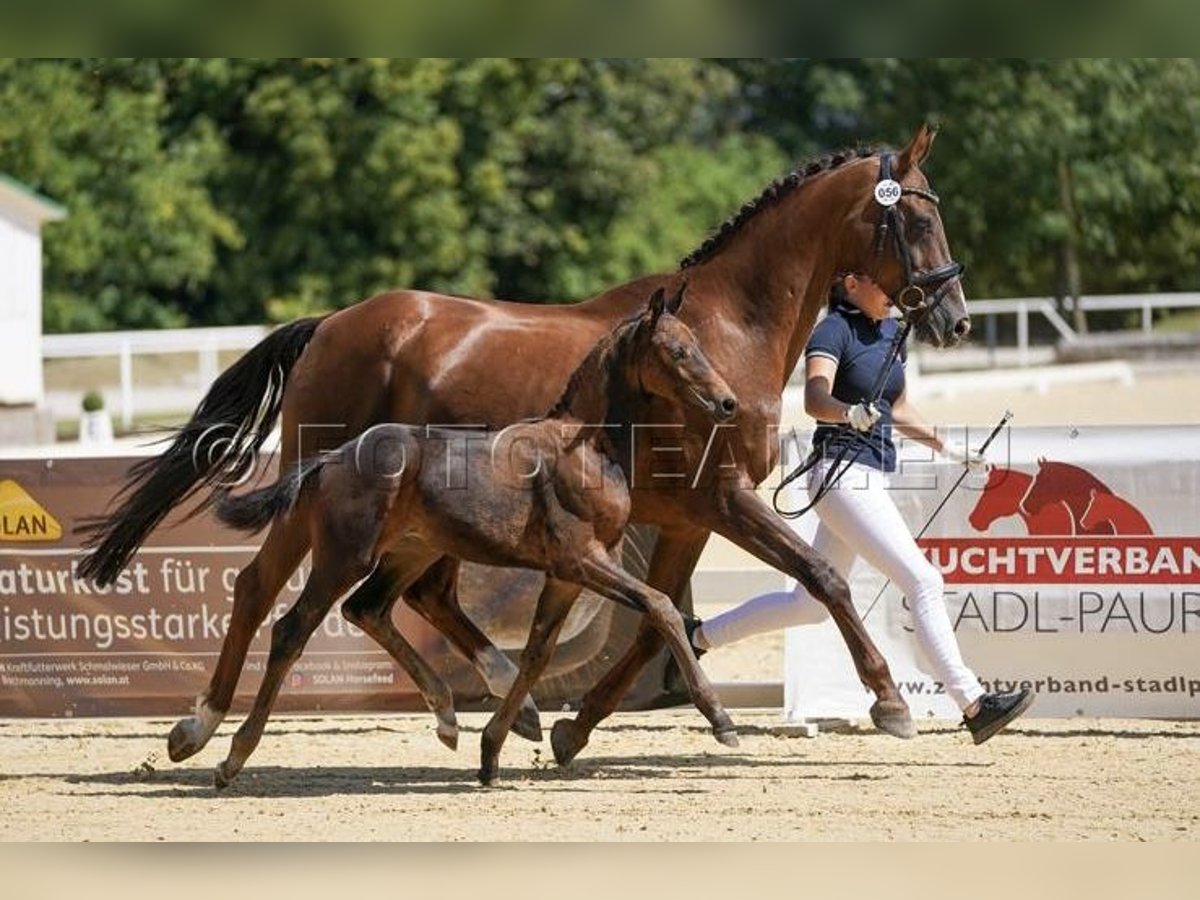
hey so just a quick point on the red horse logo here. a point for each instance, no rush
(1060, 500)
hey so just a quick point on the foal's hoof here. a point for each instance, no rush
(727, 736)
(892, 717)
(447, 733)
(488, 774)
(224, 774)
(528, 723)
(566, 741)
(182, 742)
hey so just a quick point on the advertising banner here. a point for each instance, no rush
(147, 644)
(1072, 567)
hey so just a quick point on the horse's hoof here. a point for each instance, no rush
(728, 737)
(224, 774)
(892, 717)
(447, 733)
(528, 724)
(487, 777)
(182, 742)
(565, 741)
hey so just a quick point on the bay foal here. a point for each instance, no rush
(550, 494)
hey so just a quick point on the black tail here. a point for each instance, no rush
(254, 511)
(220, 443)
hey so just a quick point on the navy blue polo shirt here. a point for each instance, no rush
(860, 347)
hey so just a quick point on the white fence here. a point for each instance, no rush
(207, 343)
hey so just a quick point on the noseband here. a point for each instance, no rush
(913, 297)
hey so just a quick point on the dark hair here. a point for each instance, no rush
(838, 293)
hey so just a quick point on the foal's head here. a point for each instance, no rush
(667, 361)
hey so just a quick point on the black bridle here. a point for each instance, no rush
(913, 301)
(913, 296)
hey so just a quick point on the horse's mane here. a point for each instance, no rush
(596, 362)
(771, 195)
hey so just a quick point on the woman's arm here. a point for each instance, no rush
(819, 402)
(909, 422)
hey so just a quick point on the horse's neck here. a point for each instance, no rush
(596, 407)
(772, 278)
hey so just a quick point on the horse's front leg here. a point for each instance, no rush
(741, 516)
(671, 565)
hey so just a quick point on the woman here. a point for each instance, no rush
(843, 360)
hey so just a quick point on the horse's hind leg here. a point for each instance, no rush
(370, 608)
(330, 577)
(554, 603)
(254, 591)
(435, 597)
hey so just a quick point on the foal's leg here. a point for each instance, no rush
(254, 591)
(671, 567)
(331, 576)
(435, 597)
(370, 608)
(606, 577)
(553, 604)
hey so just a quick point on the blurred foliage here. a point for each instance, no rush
(222, 191)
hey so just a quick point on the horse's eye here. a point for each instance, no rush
(679, 352)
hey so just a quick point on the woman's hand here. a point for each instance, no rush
(862, 416)
(956, 451)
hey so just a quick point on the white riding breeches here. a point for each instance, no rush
(858, 518)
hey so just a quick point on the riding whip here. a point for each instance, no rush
(920, 534)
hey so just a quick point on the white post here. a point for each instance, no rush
(208, 363)
(126, 385)
(1023, 334)
(1147, 316)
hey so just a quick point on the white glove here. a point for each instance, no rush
(862, 416)
(958, 452)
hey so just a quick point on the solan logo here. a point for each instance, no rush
(22, 518)
(1077, 531)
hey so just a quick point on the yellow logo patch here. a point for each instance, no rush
(22, 518)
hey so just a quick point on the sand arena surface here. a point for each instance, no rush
(645, 776)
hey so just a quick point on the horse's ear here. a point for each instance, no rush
(658, 302)
(677, 300)
(917, 150)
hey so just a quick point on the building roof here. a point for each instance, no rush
(23, 201)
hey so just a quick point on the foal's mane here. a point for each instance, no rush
(597, 362)
(771, 195)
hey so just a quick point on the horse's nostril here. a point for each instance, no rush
(729, 406)
(962, 327)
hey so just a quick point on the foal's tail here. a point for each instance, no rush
(219, 444)
(254, 511)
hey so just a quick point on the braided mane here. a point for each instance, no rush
(771, 195)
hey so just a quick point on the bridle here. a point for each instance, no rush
(914, 302)
(913, 297)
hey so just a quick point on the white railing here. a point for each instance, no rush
(1022, 307)
(207, 343)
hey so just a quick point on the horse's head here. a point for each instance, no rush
(894, 233)
(670, 363)
(1001, 497)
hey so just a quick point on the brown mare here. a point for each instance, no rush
(755, 289)
(549, 494)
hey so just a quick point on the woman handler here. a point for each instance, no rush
(843, 360)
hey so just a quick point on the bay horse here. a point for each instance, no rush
(1003, 496)
(756, 287)
(549, 494)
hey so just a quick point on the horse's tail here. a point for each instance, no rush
(254, 511)
(220, 443)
